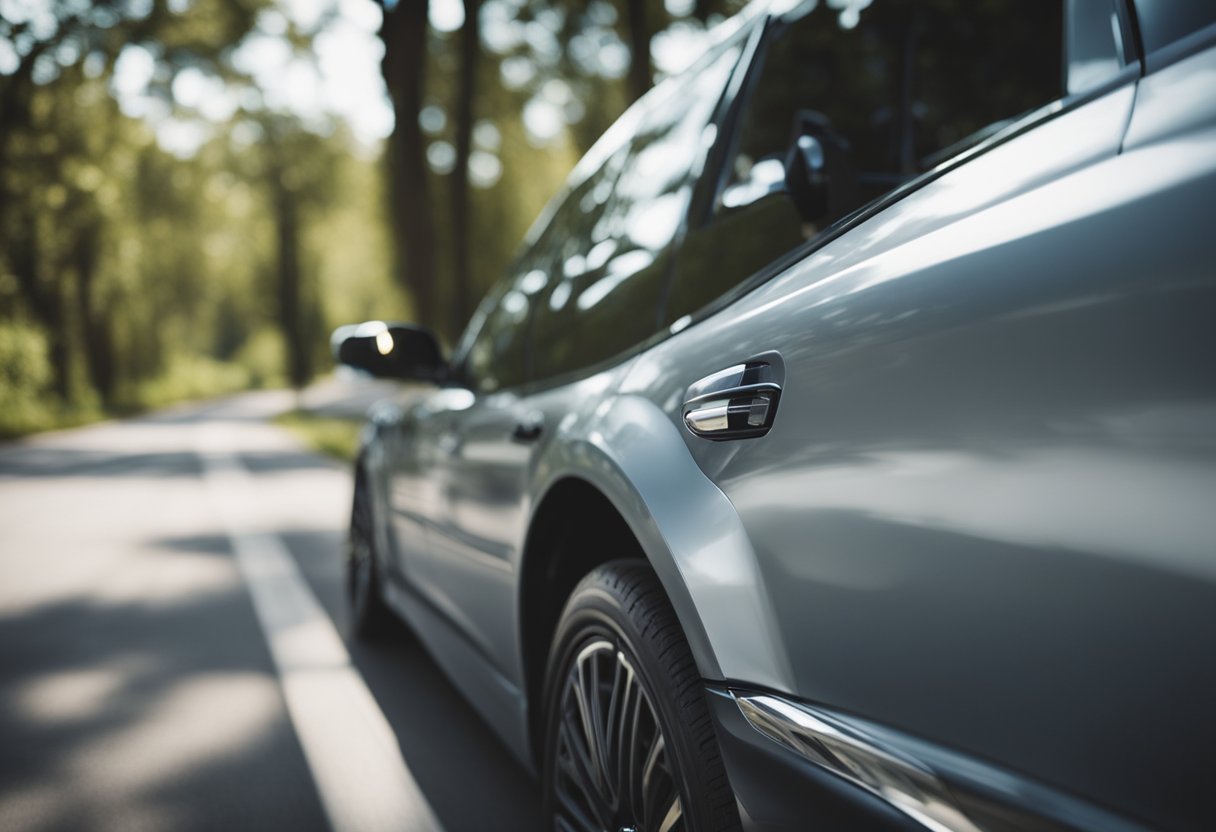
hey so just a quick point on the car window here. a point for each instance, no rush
(495, 358)
(609, 261)
(1164, 21)
(493, 352)
(852, 100)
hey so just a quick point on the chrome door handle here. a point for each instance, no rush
(736, 403)
(735, 413)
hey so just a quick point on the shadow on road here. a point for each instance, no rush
(87, 690)
(136, 690)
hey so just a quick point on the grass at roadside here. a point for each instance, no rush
(28, 406)
(338, 438)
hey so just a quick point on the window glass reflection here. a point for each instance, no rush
(854, 99)
(612, 233)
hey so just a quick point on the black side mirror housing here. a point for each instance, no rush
(390, 350)
(819, 174)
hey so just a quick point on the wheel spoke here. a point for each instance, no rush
(561, 824)
(623, 689)
(589, 731)
(575, 814)
(649, 782)
(598, 728)
(576, 761)
(575, 766)
(634, 770)
(612, 768)
(674, 814)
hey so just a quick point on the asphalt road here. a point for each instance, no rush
(141, 687)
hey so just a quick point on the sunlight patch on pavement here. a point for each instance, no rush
(77, 694)
(188, 728)
(185, 729)
(352, 753)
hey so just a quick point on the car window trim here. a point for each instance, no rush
(722, 119)
(1180, 49)
(1133, 46)
(738, 92)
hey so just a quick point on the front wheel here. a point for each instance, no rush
(629, 744)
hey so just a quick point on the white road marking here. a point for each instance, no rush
(363, 782)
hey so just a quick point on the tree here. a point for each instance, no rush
(703, 10)
(470, 51)
(404, 33)
(295, 169)
(641, 75)
(49, 46)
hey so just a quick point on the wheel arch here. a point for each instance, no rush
(626, 478)
(553, 563)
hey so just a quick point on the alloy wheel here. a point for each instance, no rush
(613, 768)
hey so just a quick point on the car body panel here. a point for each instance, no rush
(986, 502)
(632, 454)
(479, 477)
(496, 698)
(664, 374)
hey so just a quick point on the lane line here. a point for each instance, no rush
(352, 753)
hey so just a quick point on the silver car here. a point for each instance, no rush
(840, 450)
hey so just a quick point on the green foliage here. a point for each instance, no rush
(188, 377)
(25, 379)
(131, 277)
(27, 404)
(261, 357)
(350, 247)
(338, 438)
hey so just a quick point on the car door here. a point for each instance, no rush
(402, 426)
(478, 449)
(975, 516)
(585, 294)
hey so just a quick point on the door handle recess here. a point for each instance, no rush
(736, 403)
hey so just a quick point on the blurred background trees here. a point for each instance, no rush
(194, 192)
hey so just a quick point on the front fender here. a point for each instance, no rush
(687, 528)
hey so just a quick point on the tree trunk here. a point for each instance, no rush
(462, 221)
(640, 76)
(291, 318)
(404, 32)
(702, 9)
(98, 345)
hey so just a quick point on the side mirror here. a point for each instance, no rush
(819, 174)
(385, 350)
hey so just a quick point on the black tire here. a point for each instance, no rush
(370, 616)
(620, 658)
